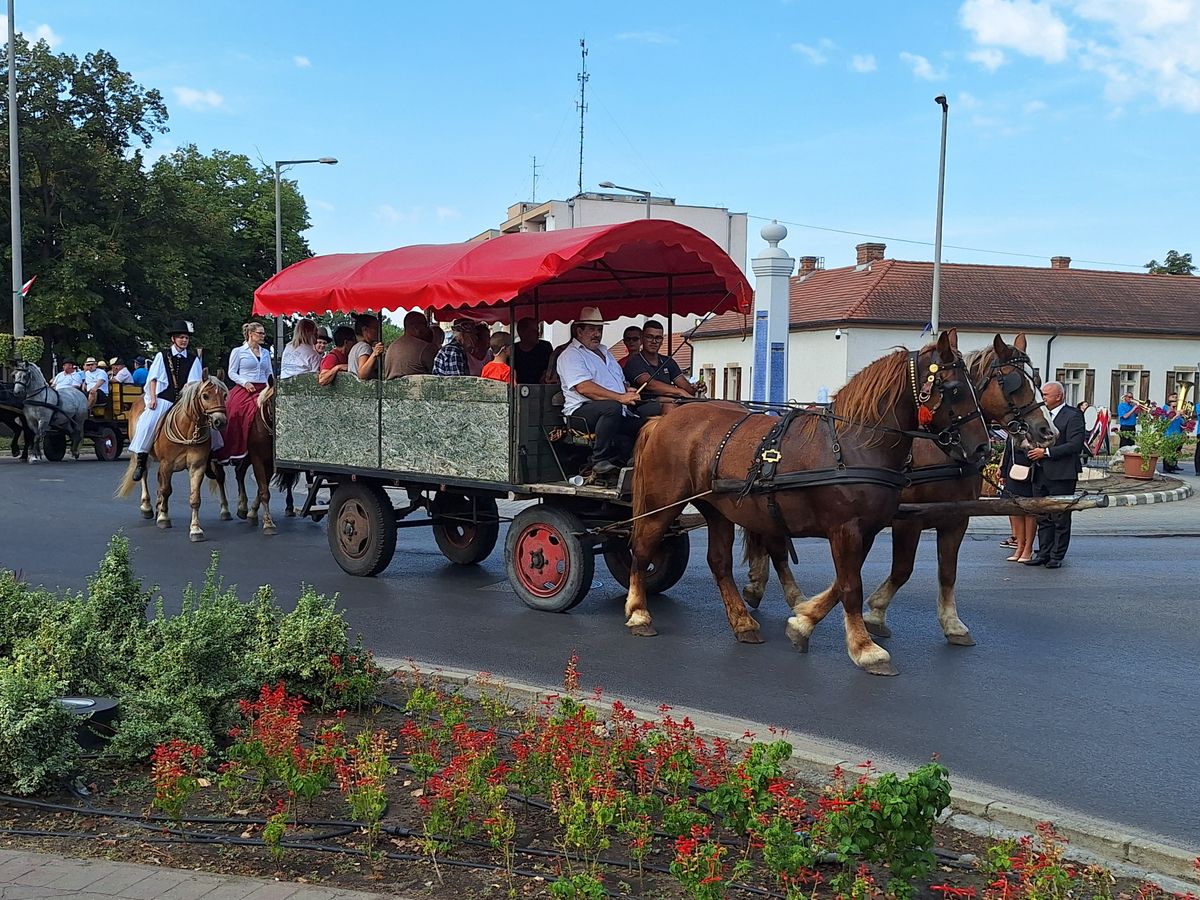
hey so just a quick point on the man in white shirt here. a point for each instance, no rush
(172, 368)
(95, 382)
(69, 377)
(594, 389)
(119, 374)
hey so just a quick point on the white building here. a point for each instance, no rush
(726, 229)
(1100, 333)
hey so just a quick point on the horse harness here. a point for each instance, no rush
(47, 389)
(763, 476)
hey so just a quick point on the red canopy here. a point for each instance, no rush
(626, 269)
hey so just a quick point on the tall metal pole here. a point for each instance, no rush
(935, 306)
(278, 262)
(14, 179)
(583, 77)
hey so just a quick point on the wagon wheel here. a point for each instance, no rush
(55, 446)
(362, 528)
(549, 564)
(108, 443)
(468, 528)
(667, 566)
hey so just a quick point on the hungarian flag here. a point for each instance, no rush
(27, 285)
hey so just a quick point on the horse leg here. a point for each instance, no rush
(720, 561)
(850, 549)
(76, 439)
(195, 472)
(906, 536)
(165, 471)
(950, 540)
(239, 470)
(217, 474)
(781, 559)
(262, 475)
(647, 535)
(146, 508)
(756, 586)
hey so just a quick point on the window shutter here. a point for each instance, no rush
(1059, 375)
(1170, 386)
(1089, 386)
(1115, 390)
(1144, 394)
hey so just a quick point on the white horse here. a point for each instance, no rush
(45, 406)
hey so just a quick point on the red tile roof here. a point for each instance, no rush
(895, 292)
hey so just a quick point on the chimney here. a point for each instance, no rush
(869, 253)
(1060, 262)
(808, 265)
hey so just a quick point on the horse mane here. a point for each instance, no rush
(979, 363)
(189, 396)
(873, 392)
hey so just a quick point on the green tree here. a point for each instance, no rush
(1175, 264)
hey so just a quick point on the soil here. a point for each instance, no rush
(108, 814)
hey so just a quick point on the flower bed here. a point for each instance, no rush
(424, 788)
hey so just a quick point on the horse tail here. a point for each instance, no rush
(753, 546)
(125, 488)
(285, 479)
(641, 472)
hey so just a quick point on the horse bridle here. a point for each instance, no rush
(948, 391)
(1010, 383)
(23, 378)
(203, 423)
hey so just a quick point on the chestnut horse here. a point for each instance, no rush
(850, 458)
(183, 440)
(260, 454)
(934, 477)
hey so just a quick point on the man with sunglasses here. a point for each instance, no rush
(660, 375)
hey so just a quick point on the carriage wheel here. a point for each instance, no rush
(108, 444)
(468, 533)
(55, 446)
(667, 566)
(549, 565)
(362, 528)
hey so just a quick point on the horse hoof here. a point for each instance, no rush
(270, 529)
(960, 640)
(798, 638)
(884, 667)
(289, 513)
(147, 514)
(164, 523)
(225, 516)
(253, 520)
(241, 513)
(748, 637)
(751, 600)
(196, 537)
(642, 630)
(878, 629)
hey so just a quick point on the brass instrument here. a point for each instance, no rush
(1185, 389)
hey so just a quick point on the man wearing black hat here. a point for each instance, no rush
(171, 370)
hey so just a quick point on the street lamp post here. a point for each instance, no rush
(279, 164)
(14, 179)
(935, 305)
(646, 194)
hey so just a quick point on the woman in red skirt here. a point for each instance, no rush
(250, 370)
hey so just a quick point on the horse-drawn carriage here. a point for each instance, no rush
(106, 425)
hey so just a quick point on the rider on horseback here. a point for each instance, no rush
(171, 370)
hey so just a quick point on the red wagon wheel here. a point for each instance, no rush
(550, 563)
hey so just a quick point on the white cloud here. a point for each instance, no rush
(193, 98)
(863, 63)
(968, 101)
(1034, 106)
(818, 55)
(1029, 28)
(45, 33)
(446, 213)
(647, 37)
(323, 205)
(921, 67)
(302, 62)
(988, 57)
(393, 216)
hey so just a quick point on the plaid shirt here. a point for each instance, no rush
(451, 360)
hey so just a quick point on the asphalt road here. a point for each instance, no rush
(1082, 691)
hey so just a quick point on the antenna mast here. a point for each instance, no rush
(583, 80)
(533, 199)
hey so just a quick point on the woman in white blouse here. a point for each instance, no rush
(250, 370)
(301, 355)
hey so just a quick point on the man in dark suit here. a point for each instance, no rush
(1056, 472)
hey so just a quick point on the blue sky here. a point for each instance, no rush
(1073, 123)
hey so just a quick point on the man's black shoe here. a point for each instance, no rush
(1054, 564)
(603, 467)
(1036, 561)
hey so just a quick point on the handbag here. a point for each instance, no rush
(1017, 472)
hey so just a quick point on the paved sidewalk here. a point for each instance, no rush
(33, 876)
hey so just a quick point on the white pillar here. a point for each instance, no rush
(772, 271)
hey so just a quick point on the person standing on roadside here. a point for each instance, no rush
(1056, 472)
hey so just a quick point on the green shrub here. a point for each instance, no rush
(6, 348)
(21, 609)
(37, 734)
(29, 348)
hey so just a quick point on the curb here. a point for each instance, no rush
(1179, 493)
(975, 808)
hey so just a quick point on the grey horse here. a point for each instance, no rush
(44, 407)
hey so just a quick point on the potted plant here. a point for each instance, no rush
(1153, 443)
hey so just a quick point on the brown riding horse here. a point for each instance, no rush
(935, 478)
(260, 454)
(183, 441)
(851, 460)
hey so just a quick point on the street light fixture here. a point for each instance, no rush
(279, 164)
(935, 305)
(617, 187)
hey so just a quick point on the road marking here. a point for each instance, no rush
(59, 480)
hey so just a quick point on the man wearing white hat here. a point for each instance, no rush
(594, 388)
(95, 382)
(118, 372)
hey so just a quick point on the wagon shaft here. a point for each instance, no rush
(1004, 506)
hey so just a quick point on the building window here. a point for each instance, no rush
(733, 383)
(1079, 384)
(1176, 379)
(1128, 380)
(708, 377)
